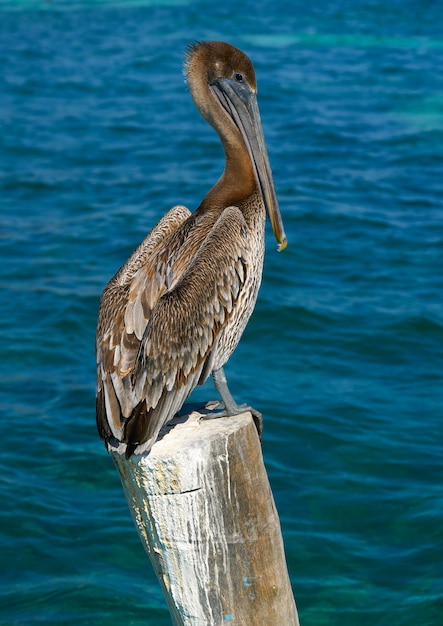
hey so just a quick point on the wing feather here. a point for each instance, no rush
(176, 306)
(120, 328)
(187, 320)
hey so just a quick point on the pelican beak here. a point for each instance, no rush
(240, 102)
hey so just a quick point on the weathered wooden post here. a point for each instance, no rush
(205, 513)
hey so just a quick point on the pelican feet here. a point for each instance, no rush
(231, 407)
(238, 409)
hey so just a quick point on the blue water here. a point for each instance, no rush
(344, 356)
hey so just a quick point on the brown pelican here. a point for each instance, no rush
(175, 311)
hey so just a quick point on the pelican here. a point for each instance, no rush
(175, 311)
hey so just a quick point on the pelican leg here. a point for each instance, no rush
(231, 407)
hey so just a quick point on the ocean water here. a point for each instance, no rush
(343, 355)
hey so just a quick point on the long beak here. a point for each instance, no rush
(240, 103)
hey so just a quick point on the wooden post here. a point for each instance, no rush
(205, 513)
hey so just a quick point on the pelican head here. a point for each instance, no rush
(224, 88)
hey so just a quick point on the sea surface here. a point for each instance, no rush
(344, 353)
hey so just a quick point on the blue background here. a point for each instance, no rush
(99, 137)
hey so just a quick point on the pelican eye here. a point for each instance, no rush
(239, 77)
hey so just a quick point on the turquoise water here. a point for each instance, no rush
(99, 137)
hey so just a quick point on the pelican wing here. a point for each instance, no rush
(122, 321)
(184, 324)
